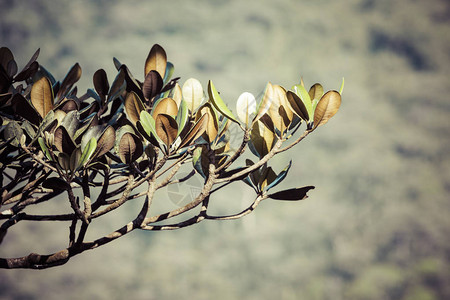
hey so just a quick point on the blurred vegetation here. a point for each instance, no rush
(375, 227)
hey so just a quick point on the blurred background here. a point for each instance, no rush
(375, 227)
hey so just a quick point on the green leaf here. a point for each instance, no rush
(306, 99)
(182, 116)
(88, 151)
(148, 124)
(44, 148)
(218, 103)
(292, 194)
(341, 89)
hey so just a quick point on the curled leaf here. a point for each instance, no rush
(218, 103)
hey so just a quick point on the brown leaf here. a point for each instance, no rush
(198, 129)
(69, 80)
(166, 128)
(156, 60)
(42, 96)
(63, 141)
(166, 106)
(133, 107)
(130, 148)
(105, 142)
(101, 83)
(326, 108)
(152, 86)
(212, 126)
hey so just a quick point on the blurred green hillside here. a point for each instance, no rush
(375, 227)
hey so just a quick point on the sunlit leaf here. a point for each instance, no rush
(197, 130)
(212, 125)
(42, 96)
(156, 60)
(177, 94)
(133, 106)
(245, 107)
(304, 97)
(292, 194)
(341, 89)
(166, 128)
(326, 108)
(218, 103)
(261, 139)
(265, 103)
(166, 106)
(182, 116)
(192, 93)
